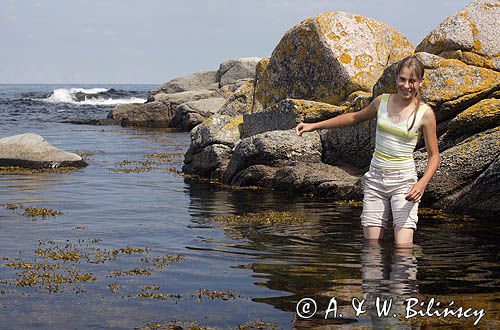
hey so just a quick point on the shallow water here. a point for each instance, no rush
(103, 248)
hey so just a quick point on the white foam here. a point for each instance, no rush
(101, 101)
(63, 95)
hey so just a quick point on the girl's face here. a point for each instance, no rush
(408, 83)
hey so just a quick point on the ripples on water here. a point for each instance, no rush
(120, 228)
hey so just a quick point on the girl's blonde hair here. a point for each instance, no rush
(414, 64)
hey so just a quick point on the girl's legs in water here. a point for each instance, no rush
(403, 237)
(373, 233)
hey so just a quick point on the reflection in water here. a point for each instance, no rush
(388, 277)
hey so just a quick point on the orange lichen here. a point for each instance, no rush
(345, 58)
(362, 61)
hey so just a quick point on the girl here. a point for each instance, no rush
(391, 182)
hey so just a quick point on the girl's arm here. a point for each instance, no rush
(346, 119)
(431, 144)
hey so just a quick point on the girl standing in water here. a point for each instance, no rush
(391, 184)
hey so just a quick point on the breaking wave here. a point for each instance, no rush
(91, 96)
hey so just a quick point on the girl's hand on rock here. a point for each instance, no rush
(302, 128)
(416, 191)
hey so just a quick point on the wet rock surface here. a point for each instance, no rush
(33, 151)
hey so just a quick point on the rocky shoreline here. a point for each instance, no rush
(328, 65)
(242, 116)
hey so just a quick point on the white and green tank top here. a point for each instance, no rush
(394, 143)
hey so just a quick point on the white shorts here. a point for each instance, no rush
(385, 192)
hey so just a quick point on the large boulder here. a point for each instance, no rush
(286, 115)
(158, 112)
(215, 138)
(450, 86)
(187, 101)
(327, 57)
(470, 35)
(195, 81)
(325, 180)
(233, 70)
(303, 177)
(192, 113)
(210, 161)
(151, 114)
(482, 196)
(344, 146)
(33, 151)
(273, 147)
(460, 165)
(481, 116)
(351, 145)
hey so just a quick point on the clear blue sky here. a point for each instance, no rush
(152, 41)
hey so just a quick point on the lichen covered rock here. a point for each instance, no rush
(479, 117)
(459, 166)
(470, 35)
(449, 86)
(327, 57)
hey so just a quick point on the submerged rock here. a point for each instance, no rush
(33, 151)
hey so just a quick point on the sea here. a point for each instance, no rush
(130, 242)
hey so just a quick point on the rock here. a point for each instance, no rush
(232, 70)
(470, 35)
(157, 113)
(450, 86)
(321, 178)
(227, 91)
(182, 97)
(217, 129)
(33, 151)
(192, 113)
(206, 80)
(210, 161)
(351, 145)
(255, 175)
(240, 102)
(327, 57)
(211, 146)
(151, 114)
(271, 148)
(286, 115)
(459, 166)
(479, 117)
(222, 129)
(482, 197)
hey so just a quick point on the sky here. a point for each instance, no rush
(153, 41)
